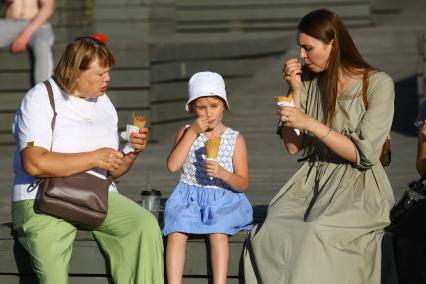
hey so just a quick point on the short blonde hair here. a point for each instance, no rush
(78, 56)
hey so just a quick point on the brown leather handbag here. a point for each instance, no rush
(385, 155)
(81, 198)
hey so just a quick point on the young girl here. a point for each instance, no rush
(209, 198)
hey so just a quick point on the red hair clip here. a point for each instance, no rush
(101, 37)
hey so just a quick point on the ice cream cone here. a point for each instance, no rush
(280, 99)
(139, 120)
(286, 101)
(212, 147)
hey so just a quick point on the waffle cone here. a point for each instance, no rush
(139, 120)
(288, 99)
(212, 147)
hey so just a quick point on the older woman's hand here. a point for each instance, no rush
(107, 159)
(293, 117)
(139, 140)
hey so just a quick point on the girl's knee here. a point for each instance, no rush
(218, 237)
(177, 237)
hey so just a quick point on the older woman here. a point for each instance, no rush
(85, 139)
(326, 224)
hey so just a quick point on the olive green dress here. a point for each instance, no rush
(337, 240)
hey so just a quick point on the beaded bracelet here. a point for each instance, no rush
(328, 132)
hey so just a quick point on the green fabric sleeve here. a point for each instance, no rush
(376, 123)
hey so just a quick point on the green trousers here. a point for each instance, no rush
(130, 237)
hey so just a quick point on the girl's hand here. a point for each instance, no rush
(292, 72)
(107, 159)
(294, 117)
(139, 140)
(200, 125)
(214, 169)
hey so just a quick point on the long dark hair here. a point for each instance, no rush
(327, 26)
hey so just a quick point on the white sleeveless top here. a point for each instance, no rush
(194, 170)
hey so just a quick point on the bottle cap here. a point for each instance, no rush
(151, 192)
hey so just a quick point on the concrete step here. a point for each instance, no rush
(250, 15)
(88, 262)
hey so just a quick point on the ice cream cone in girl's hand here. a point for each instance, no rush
(212, 148)
(139, 120)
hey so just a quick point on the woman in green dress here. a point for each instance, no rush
(325, 225)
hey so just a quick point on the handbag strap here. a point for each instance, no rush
(417, 183)
(39, 180)
(52, 104)
(422, 178)
(53, 122)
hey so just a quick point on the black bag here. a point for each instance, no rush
(409, 234)
(416, 191)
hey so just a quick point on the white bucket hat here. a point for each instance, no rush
(206, 84)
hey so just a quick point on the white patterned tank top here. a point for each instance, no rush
(194, 170)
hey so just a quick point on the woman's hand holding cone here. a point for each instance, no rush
(294, 117)
(139, 140)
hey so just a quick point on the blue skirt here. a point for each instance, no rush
(199, 210)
